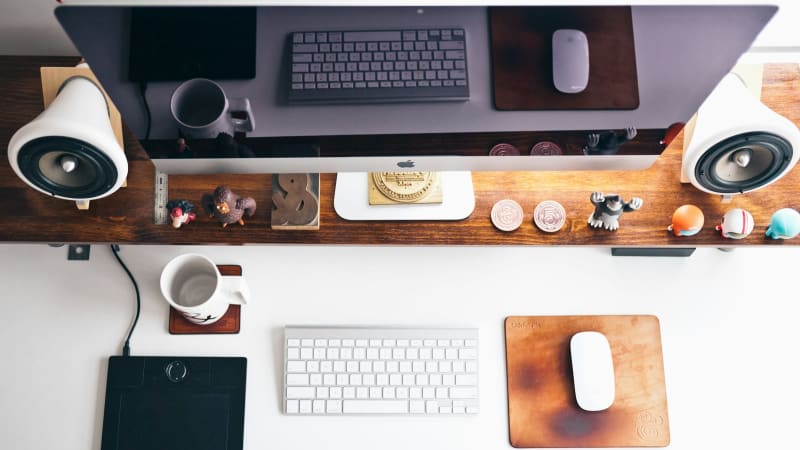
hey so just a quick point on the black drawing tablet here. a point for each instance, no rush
(175, 403)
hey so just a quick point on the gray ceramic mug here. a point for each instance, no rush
(202, 110)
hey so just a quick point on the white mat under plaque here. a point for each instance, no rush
(351, 200)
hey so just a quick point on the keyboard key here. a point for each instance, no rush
(300, 392)
(305, 48)
(336, 392)
(458, 392)
(297, 379)
(466, 380)
(467, 353)
(333, 406)
(375, 407)
(451, 45)
(305, 406)
(296, 366)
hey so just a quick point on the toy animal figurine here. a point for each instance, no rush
(687, 220)
(608, 208)
(607, 143)
(227, 207)
(784, 224)
(180, 212)
(736, 224)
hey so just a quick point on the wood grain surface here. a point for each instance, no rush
(542, 408)
(127, 215)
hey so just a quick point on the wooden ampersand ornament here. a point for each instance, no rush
(298, 206)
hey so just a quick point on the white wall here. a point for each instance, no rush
(28, 27)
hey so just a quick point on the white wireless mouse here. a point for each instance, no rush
(570, 60)
(592, 370)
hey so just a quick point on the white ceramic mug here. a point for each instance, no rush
(192, 285)
(202, 110)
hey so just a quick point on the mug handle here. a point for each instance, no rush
(236, 289)
(242, 104)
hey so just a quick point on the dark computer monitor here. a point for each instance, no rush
(675, 56)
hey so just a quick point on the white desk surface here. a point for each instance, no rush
(728, 324)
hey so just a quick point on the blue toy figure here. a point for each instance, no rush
(784, 224)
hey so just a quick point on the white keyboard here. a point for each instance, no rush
(335, 371)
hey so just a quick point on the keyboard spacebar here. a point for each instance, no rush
(375, 406)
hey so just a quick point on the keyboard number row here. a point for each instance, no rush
(306, 342)
(385, 353)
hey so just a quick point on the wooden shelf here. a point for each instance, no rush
(127, 216)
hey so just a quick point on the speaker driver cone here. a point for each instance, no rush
(743, 162)
(67, 167)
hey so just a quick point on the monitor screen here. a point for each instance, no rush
(334, 89)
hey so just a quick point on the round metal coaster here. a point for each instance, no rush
(507, 215)
(549, 216)
(504, 150)
(546, 148)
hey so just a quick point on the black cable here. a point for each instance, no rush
(126, 349)
(148, 118)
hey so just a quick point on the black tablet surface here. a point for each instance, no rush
(175, 403)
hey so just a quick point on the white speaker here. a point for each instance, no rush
(738, 144)
(70, 151)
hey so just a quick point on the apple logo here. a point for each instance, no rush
(406, 164)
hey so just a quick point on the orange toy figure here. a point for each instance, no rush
(687, 220)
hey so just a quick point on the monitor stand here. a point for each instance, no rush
(351, 200)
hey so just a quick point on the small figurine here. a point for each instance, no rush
(608, 208)
(607, 143)
(784, 224)
(180, 212)
(687, 220)
(228, 207)
(736, 224)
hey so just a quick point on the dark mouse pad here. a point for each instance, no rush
(542, 410)
(522, 57)
(174, 402)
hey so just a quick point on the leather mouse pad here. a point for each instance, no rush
(542, 410)
(522, 57)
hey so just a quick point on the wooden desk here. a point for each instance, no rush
(127, 216)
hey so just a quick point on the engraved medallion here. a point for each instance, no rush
(507, 215)
(549, 216)
(546, 148)
(404, 187)
(504, 149)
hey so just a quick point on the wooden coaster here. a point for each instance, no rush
(227, 324)
(542, 410)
